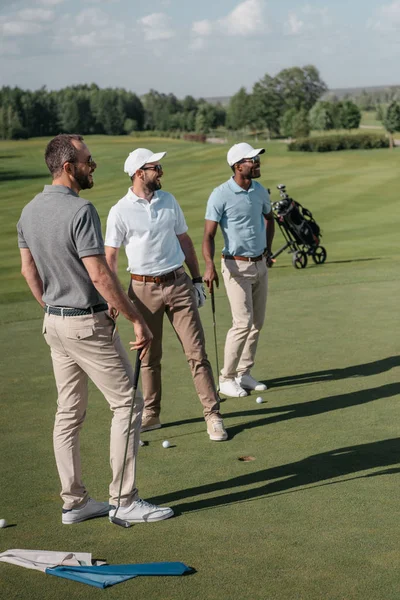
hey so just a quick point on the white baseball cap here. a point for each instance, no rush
(139, 157)
(240, 151)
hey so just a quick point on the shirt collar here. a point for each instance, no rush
(59, 189)
(237, 189)
(132, 196)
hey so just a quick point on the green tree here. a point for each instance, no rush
(266, 105)
(392, 120)
(286, 123)
(350, 115)
(299, 87)
(294, 123)
(238, 114)
(320, 116)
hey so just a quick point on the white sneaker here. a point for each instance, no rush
(216, 429)
(90, 510)
(231, 388)
(141, 511)
(248, 382)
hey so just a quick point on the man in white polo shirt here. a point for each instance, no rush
(152, 227)
(242, 208)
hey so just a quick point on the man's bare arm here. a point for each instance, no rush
(190, 254)
(210, 275)
(270, 228)
(112, 258)
(109, 286)
(31, 274)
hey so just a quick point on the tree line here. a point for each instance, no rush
(288, 105)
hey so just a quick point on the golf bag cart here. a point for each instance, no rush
(300, 230)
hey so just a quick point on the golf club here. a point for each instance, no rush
(114, 519)
(215, 336)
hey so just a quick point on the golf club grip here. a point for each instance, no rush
(137, 370)
(212, 301)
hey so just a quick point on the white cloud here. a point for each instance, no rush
(293, 25)
(245, 19)
(15, 28)
(36, 14)
(156, 26)
(50, 2)
(202, 28)
(388, 18)
(312, 19)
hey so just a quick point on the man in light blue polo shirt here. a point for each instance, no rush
(242, 208)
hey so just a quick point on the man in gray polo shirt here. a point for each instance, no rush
(242, 208)
(63, 262)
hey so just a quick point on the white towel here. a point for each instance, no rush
(46, 559)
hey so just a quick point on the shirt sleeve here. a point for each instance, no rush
(215, 207)
(86, 232)
(21, 239)
(180, 222)
(115, 230)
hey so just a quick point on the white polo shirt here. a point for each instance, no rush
(148, 231)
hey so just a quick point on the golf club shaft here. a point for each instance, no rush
(135, 386)
(215, 330)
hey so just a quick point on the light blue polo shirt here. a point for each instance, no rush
(240, 215)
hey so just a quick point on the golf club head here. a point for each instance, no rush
(120, 522)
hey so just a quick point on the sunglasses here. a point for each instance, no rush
(254, 160)
(157, 168)
(90, 162)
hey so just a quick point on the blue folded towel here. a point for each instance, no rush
(108, 575)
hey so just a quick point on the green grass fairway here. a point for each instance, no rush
(315, 515)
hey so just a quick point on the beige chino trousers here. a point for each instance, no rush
(246, 286)
(177, 300)
(89, 347)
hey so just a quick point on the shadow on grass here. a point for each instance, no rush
(300, 409)
(331, 262)
(17, 176)
(311, 470)
(363, 370)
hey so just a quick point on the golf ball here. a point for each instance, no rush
(259, 400)
(166, 444)
(3, 523)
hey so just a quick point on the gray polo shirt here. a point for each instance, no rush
(60, 229)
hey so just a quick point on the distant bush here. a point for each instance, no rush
(333, 143)
(195, 137)
(175, 135)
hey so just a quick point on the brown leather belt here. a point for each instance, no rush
(158, 278)
(246, 258)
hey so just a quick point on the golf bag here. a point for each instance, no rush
(300, 230)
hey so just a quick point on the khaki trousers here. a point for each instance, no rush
(89, 347)
(177, 300)
(246, 285)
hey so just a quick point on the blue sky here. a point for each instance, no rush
(207, 48)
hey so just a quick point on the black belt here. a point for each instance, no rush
(60, 311)
(246, 258)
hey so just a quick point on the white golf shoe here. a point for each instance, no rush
(231, 388)
(247, 382)
(141, 511)
(90, 510)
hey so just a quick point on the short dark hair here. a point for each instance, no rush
(61, 150)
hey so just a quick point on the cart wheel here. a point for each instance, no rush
(319, 255)
(299, 259)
